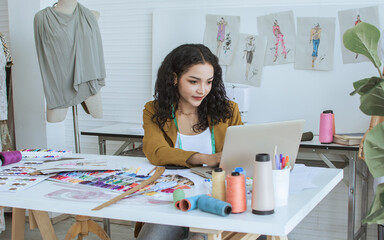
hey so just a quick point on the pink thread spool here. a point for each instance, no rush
(326, 127)
(10, 157)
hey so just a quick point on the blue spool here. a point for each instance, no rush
(213, 205)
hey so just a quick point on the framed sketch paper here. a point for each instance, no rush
(315, 43)
(348, 19)
(221, 35)
(279, 28)
(248, 61)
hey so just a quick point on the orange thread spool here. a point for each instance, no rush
(236, 192)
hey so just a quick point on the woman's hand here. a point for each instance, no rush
(211, 160)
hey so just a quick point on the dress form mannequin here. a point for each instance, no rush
(91, 105)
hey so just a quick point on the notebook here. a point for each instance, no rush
(242, 143)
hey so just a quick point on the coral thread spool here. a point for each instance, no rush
(236, 192)
(218, 184)
(188, 204)
(178, 195)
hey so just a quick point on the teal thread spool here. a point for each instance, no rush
(178, 195)
(213, 205)
(190, 203)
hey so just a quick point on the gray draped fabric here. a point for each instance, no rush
(70, 53)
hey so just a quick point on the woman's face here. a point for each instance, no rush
(195, 84)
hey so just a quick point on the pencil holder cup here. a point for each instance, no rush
(281, 185)
(326, 127)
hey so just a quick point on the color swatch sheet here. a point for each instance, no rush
(16, 177)
(122, 181)
(18, 183)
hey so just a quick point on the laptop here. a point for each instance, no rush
(243, 142)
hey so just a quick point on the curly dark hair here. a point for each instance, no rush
(216, 104)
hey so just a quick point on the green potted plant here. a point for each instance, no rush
(363, 39)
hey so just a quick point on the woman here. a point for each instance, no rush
(186, 123)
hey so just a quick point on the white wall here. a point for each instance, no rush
(126, 28)
(30, 126)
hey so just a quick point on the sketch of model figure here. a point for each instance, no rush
(358, 20)
(279, 38)
(221, 24)
(248, 53)
(315, 39)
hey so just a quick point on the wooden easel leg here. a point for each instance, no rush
(220, 235)
(83, 226)
(96, 229)
(18, 223)
(281, 237)
(44, 224)
(32, 221)
(73, 231)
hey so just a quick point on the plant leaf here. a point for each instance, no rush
(374, 150)
(363, 39)
(376, 212)
(372, 102)
(364, 85)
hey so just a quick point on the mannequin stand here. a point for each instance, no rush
(76, 128)
(84, 224)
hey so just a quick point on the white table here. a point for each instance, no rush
(350, 155)
(127, 133)
(282, 222)
(130, 133)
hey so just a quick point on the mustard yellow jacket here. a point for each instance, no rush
(158, 144)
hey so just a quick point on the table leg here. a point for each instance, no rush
(364, 197)
(44, 224)
(351, 196)
(107, 226)
(18, 223)
(102, 147)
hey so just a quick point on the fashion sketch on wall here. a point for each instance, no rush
(350, 18)
(248, 61)
(315, 43)
(280, 31)
(221, 34)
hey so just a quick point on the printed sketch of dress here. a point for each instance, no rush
(358, 20)
(249, 49)
(279, 39)
(220, 35)
(315, 39)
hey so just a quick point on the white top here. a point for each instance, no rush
(201, 142)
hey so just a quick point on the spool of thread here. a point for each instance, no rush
(10, 157)
(178, 195)
(326, 127)
(188, 204)
(307, 136)
(218, 184)
(333, 120)
(262, 190)
(242, 171)
(213, 205)
(236, 192)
